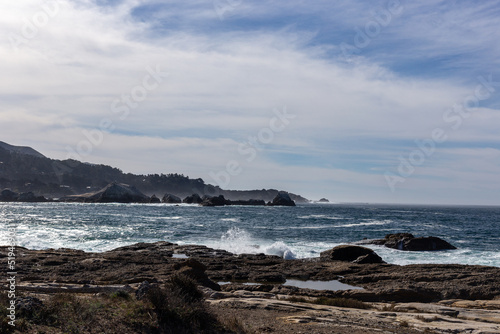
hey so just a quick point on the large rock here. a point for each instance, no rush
(8, 195)
(214, 201)
(349, 253)
(282, 199)
(30, 197)
(407, 242)
(112, 193)
(154, 199)
(193, 199)
(171, 199)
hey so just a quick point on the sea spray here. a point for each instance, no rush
(239, 241)
(281, 249)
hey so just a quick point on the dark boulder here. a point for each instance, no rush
(193, 199)
(349, 253)
(30, 197)
(154, 199)
(171, 199)
(8, 195)
(407, 242)
(324, 200)
(282, 199)
(214, 201)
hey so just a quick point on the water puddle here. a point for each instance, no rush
(180, 256)
(333, 285)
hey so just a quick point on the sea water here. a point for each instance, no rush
(291, 232)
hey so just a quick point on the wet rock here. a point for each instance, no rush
(349, 253)
(154, 199)
(407, 242)
(8, 195)
(171, 199)
(214, 201)
(112, 193)
(255, 202)
(282, 199)
(193, 199)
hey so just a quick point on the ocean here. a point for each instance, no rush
(292, 232)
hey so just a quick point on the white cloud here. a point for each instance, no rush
(221, 89)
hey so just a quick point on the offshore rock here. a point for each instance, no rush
(214, 201)
(193, 199)
(8, 195)
(282, 199)
(407, 242)
(30, 197)
(348, 253)
(112, 193)
(171, 199)
(154, 199)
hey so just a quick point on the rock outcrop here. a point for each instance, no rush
(193, 199)
(282, 199)
(349, 253)
(171, 199)
(154, 200)
(112, 193)
(214, 201)
(8, 195)
(407, 242)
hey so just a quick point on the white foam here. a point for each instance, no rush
(281, 249)
(234, 220)
(369, 223)
(240, 241)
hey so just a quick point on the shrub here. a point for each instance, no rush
(180, 307)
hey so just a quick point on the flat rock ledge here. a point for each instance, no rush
(155, 262)
(400, 299)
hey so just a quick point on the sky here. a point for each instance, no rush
(356, 101)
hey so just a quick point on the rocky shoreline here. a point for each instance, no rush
(123, 193)
(256, 282)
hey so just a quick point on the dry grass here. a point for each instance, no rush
(178, 307)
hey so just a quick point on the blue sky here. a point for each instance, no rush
(384, 101)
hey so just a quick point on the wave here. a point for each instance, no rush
(321, 217)
(240, 241)
(370, 223)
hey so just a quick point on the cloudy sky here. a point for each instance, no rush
(357, 101)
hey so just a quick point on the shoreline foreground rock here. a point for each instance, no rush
(410, 299)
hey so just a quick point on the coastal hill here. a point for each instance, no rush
(23, 169)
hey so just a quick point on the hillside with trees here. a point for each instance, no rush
(23, 169)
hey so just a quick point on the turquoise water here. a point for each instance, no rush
(296, 232)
